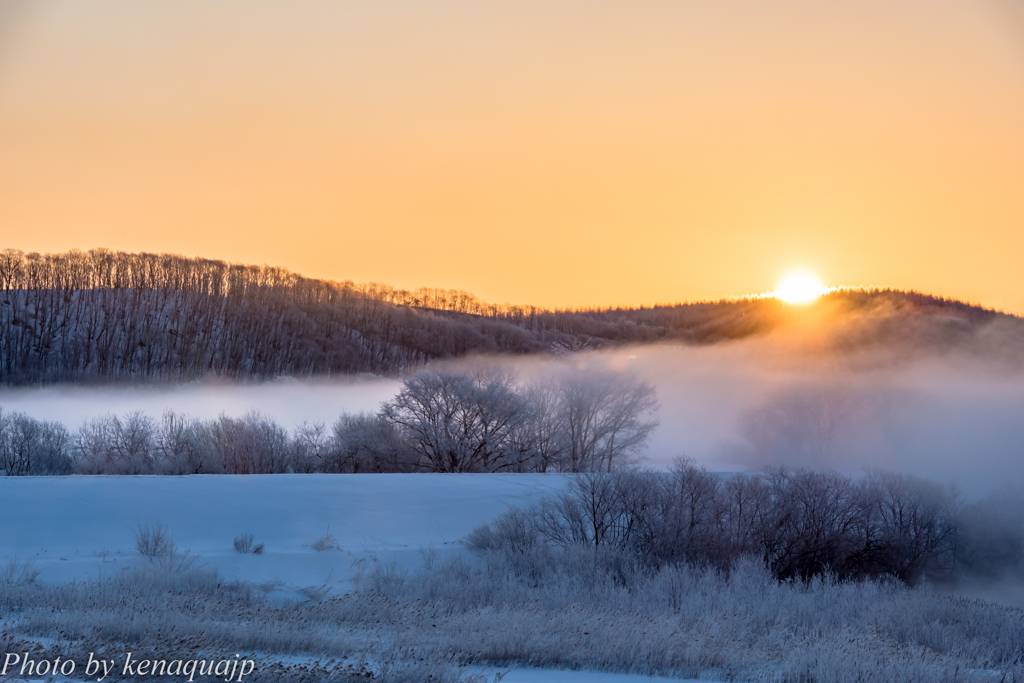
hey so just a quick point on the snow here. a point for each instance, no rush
(74, 527)
(530, 676)
(562, 676)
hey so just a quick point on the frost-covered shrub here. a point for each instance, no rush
(246, 543)
(584, 608)
(16, 577)
(243, 543)
(325, 542)
(801, 523)
(514, 531)
(252, 444)
(366, 442)
(154, 540)
(116, 445)
(592, 607)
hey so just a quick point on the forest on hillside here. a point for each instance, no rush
(102, 315)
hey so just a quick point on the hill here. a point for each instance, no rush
(111, 316)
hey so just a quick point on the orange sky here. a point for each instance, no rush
(553, 152)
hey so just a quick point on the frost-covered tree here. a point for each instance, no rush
(184, 446)
(368, 442)
(459, 422)
(310, 447)
(606, 417)
(116, 445)
(33, 447)
(251, 444)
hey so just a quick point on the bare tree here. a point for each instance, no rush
(688, 526)
(913, 525)
(798, 427)
(606, 417)
(184, 446)
(10, 265)
(540, 437)
(114, 445)
(599, 509)
(33, 447)
(458, 423)
(252, 444)
(368, 443)
(310, 447)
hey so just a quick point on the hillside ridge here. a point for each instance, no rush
(116, 316)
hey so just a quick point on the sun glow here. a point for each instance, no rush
(800, 288)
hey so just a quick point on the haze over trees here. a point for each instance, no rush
(440, 421)
(103, 315)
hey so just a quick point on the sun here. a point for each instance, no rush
(800, 288)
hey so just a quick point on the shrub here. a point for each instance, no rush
(514, 531)
(802, 523)
(246, 544)
(326, 542)
(243, 543)
(16, 574)
(154, 540)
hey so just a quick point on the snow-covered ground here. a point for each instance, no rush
(75, 527)
(78, 527)
(551, 676)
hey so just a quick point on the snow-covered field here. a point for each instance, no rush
(74, 527)
(78, 527)
(435, 609)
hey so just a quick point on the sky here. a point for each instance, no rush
(555, 152)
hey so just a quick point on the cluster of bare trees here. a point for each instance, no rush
(488, 422)
(800, 426)
(33, 447)
(112, 315)
(102, 315)
(801, 523)
(439, 422)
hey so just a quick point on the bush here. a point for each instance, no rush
(802, 523)
(325, 542)
(154, 540)
(514, 531)
(246, 544)
(243, 543)
(368, 443)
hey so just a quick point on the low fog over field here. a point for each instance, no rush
(288, 401)
(733, 406)
(754, 404)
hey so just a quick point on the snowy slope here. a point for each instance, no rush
(74, 527)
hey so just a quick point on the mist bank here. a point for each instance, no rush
(289, 401)
(951, 416)
(742, 405)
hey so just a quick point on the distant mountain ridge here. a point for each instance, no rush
(114, 316)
